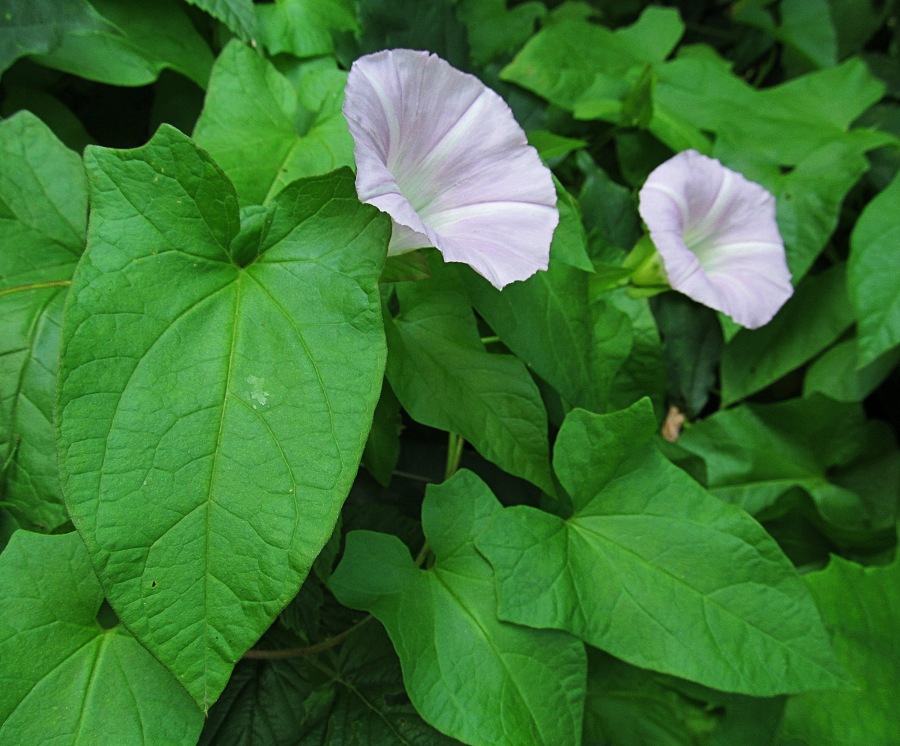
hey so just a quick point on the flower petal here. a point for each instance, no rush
(718, 238)
(444, 157)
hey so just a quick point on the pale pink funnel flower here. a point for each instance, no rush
(443, 156)
(718, 238)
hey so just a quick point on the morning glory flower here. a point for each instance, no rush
(443, 156)
(717, 236)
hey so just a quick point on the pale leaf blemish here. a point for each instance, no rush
(256, 390)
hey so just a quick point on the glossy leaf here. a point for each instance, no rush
(780, 125)
(551, 324)
(806, 29)
(494, 29)
(810, 198)
(130, 43)
(861, 606)
(66, 679)
(874, 287)
(810, 322)
(212, 414)
(304, 28)
(835, 373)
(43, 219)
(38, 27)
(569, 243)
(237, 15)
(444, 377)
(264, 132)
(464, 669)
(849, 466)
(654, 570)
(579, 64)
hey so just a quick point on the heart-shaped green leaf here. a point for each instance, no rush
(212, 414)
(43, 219)
(66, 679)
(445, 378)
(654, 570)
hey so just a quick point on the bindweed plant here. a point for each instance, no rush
(449, 371)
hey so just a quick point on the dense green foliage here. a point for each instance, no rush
(261, 484)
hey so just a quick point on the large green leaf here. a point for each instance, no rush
(835, 373)
(216, 391)
(494, 29)
(66, 679)
(873, 277)
(130, 43)
(861, 606)
(806, 29)
(809, 198)
(476, 678)
(578, 64)
(550, 323)
(265, 133)
(38, 26)
(780, 125)
(304, 28)
(850, 466)
(814, 318)
(445, 378)
(43, 219)
(237, 15)
(654, 570)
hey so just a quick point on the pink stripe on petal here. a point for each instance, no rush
(718, 238)
(444, 157)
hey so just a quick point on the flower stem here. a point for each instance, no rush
(454, 454)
